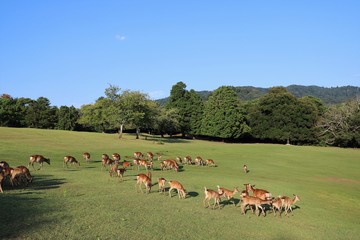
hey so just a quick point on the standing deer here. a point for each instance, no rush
(277, 203)
(260, 193)
(229, 194)
(138, 155)
(245, 168)
(116, 157)
(251, 200)
(86, 157)
(161, 183)
(209, 194)
(288, 202)
(143, 179)
(38, 159)
(150, 156)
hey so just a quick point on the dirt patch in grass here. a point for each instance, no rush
(341, 180)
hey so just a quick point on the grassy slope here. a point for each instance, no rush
(85, 203)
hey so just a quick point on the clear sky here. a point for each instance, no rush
(69, 51)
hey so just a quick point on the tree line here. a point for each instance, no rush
(277, 116)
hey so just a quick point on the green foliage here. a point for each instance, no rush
(39, 114)
(222, 115)
(67, 119)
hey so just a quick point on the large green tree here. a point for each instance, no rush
(223, 116)
(39, 114)
(279, 116)
(67, 118)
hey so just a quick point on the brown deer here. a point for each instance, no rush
(138, 155)
(126, 164)
(229, 194)
(188, 160)
(18, 172)
(150, 156)
(120, 173)
(38, 159)
(277, 203)
(179, 187)
(113, 169)
(143, 179)
(245, 168)
(116, 157)
(210, 163)
(71, 160)
(260, 193)
(105, 160)
(199, 161)
(161, 183)
(288, 202)
(251, 200)
(209, 194)
(86, 157)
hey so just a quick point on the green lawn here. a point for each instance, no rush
(86, 203)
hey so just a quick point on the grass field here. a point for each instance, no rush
(86, 203)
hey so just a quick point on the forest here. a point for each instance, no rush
(290, 115)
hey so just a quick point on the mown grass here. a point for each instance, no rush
(85, 203)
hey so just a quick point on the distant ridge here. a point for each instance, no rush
(330, 96)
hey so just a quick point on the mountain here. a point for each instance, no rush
(333, 95)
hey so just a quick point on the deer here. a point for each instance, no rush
(209, 194)
(86, 157)
(179, 159)
(20, 171)
(150, 156)
(143, 179)
(126, 164)
(169, 164)
(71, 160)
(288, 202)
(229, 194)
(136, 163)
(179, 187)
(147, 165)
(4, 172)
(199, 161)
(245, 168)
(251, 200)
(120, 173)
(116, 157)
(105, 160)
(138, 155)
(188, 160)
(210, 163)
(38, 159)
(161, 183)
(277, 203)
(260, 193)
(113, 169)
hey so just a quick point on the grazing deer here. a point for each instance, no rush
(199, 161)
(245, 168)
(105, 160)
(120, 173)
(255, 201)
(260, 193)
(136, 162)
(229, 194)
(18, 172)
(209, 194)
(86, 157)
(188, 160)
(288, 202)
(179, 159)
(143, 179)
(116, 157)
(210, 163)
(179, 187)
(138, 155)
(71, 160)
(161, 183)
(38, 159)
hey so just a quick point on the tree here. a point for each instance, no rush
(96, 115)
(340, 125)
(195, 108)
(279, 116)
(67, 119)
(179, 100)
(222, 115)
(39, 114)
(167, 122)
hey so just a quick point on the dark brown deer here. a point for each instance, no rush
(38, 159)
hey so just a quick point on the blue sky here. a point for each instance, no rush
(70, 51)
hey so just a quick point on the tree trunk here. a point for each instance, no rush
(121, 131)
(137, 132)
